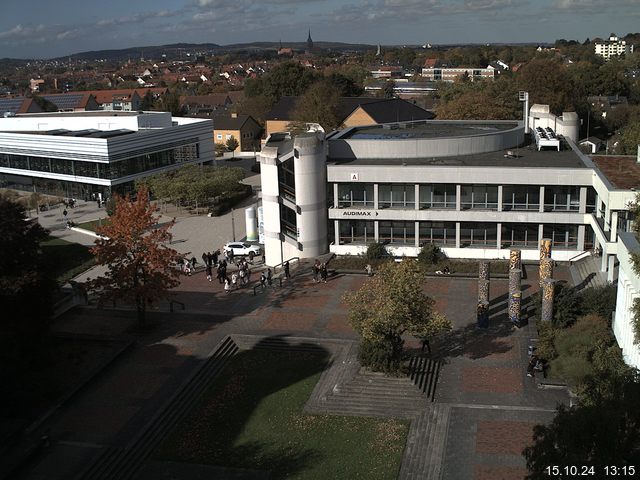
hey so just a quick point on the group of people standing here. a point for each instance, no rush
(320, 272)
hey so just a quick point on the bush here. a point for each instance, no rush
(576, 346)
(110, 206)
(229, 201)
(600, 301)
(429, 254)
(376, 251)
(385, 356)
(545, 348)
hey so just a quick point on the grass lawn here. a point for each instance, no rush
(93, 224)
(67, 259)
(252, 418)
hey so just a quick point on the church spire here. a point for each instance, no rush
(309, 42)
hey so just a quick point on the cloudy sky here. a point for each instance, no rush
(47, 28)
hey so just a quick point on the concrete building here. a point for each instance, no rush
(434, 72)
(474, 188)
(567, 125)
(613, 47)
(80, 154)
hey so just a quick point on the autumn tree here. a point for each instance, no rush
(389, 305)
(319, 104)
(133, 247)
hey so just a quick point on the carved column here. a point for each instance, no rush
(546, 270)
(547, 300)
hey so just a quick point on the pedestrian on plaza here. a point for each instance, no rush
(263, 280)
(227, 285)
(193, 262)
(221, 274)
(215, 256)
(209, 271)
(531, 366)
(316, 270)
(65, 213)
(234, 281)
(247, 272)
(323, 272)
(287, 274)
(369, 269)
(205, 258)
(243, 276)
(269, 277)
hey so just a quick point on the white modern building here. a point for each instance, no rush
(613, 47)
(80, 154)
(474, 188)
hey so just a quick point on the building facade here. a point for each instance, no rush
(476, 189)
(450, 74)
(82, 154)
(613, 48)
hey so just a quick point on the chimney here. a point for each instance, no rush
(234, 115)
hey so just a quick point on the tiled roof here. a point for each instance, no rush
(227, 122)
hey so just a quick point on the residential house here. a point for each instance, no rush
(205, 105)
(352, 111)
(73, 101)
(125, 100)
(241, 127)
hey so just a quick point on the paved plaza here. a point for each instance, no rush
(491, 404)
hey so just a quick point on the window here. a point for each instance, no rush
(474, 234)
(519, 235)
(562, 236)
(356, 231)
(355, 195)
(591, 200)
(440, 233)
(288, 222)
(228, 137)
(286, 179)
(440, 195)
(396, 195)
(219, 136)
(520, 197)
(481, 197)
(397, 232)
(562, 198)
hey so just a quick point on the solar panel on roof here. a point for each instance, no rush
(64, 102)
(11, 105)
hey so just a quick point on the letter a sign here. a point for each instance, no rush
(354, 177)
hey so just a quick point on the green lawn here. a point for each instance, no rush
(93, 224)
(66, 259)
(252, 418)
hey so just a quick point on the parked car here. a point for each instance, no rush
(241, 249)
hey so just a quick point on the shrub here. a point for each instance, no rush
(576, 346)
(566, 305)
(545, 348)
(383, 356)
(110, 206)
(429, 254)
(376, 251)
(598, 300)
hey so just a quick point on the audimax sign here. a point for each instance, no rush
(359, 213)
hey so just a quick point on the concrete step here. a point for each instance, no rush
(426, 444)
(120, 464)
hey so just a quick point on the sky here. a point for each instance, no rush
(47, 28)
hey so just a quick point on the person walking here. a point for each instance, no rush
(316, 270)
(243, 276)
(215, 257)
(285, 265)
(263, 280)
(269, 277)
(234, 281)
(205, 258)
(369, 269)
(324, 273)
(209, 271)
(227, 286)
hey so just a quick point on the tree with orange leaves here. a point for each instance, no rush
(134, 249)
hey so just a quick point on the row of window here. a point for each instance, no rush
(443, 196)
(111, 171)
(476, 234)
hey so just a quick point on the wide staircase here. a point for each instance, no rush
(117, 463)
(585, 273)
(426, 444)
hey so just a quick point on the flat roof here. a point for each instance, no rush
(622, 172)
(426, 129)
(90, 113)
(524, 157)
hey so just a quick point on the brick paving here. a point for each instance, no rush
(483, 378)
